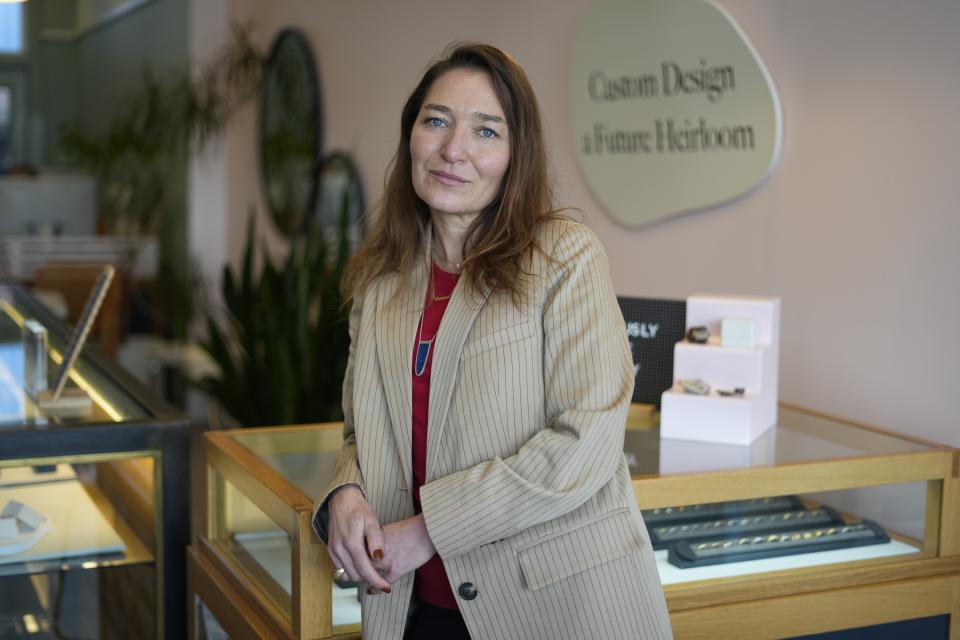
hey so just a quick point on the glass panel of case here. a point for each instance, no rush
(54, 516)
(257, 545)
(66, 544)
(798, 437)
(110, 403)
(306, 458)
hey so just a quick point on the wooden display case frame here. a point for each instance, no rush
(763, 605)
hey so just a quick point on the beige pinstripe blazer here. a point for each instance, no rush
(528, 495)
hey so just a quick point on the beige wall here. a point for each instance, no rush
(856, 230)
(209, 218)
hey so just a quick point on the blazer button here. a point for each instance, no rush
(467, 591)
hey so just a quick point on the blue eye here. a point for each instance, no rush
(487, 132)
(434, 122)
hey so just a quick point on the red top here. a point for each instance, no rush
(432, 584)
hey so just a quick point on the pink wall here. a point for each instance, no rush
(856, 230)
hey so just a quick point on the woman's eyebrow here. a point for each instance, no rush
(488, 118)
(484, 117)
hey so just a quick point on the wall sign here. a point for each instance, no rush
(673, 110)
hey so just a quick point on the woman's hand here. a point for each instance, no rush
(355, 537)
(408, 547)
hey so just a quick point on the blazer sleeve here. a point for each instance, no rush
(347, 465)
(588, 379)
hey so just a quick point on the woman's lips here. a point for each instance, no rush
(448, 178)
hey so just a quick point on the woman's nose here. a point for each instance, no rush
(453, 147)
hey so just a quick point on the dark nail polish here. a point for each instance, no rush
(369, 592)
(378, 554)
(388, 590)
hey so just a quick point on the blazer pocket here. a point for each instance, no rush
(609, 538)
(500, 337)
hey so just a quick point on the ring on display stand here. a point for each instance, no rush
(698, 335)
(737, 392)
(695, 387)
(20, 528)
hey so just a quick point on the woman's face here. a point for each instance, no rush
(459, 146)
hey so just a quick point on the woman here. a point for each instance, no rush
(482, 491)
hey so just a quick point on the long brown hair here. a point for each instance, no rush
(501, 240)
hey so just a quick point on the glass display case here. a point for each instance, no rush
(103, 492)
(260, 489)
(258, 566)
(866, 476)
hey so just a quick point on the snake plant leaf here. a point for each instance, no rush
(283, 343)
(246, 283)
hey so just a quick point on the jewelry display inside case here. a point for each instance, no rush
(93, 494)
(857, 523)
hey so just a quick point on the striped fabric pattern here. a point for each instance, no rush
(528, 495)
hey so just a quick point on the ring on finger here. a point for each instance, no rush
(338, 573)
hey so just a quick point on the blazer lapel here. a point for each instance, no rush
(457, 320)
(396, 328)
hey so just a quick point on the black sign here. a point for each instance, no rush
(653, 327)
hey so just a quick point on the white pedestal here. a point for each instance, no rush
(735, 366)
(710, 310)
(714, 418)
(725, 419)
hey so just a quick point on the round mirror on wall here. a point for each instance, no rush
(290, 132)
(340, 205)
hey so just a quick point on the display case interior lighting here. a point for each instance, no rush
(30, 624)
(74, 375)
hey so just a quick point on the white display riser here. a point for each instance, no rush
(715, 418)
(752, 368)
(708, 311)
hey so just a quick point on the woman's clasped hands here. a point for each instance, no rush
(368, 552)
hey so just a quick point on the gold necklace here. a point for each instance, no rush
(433, 288)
